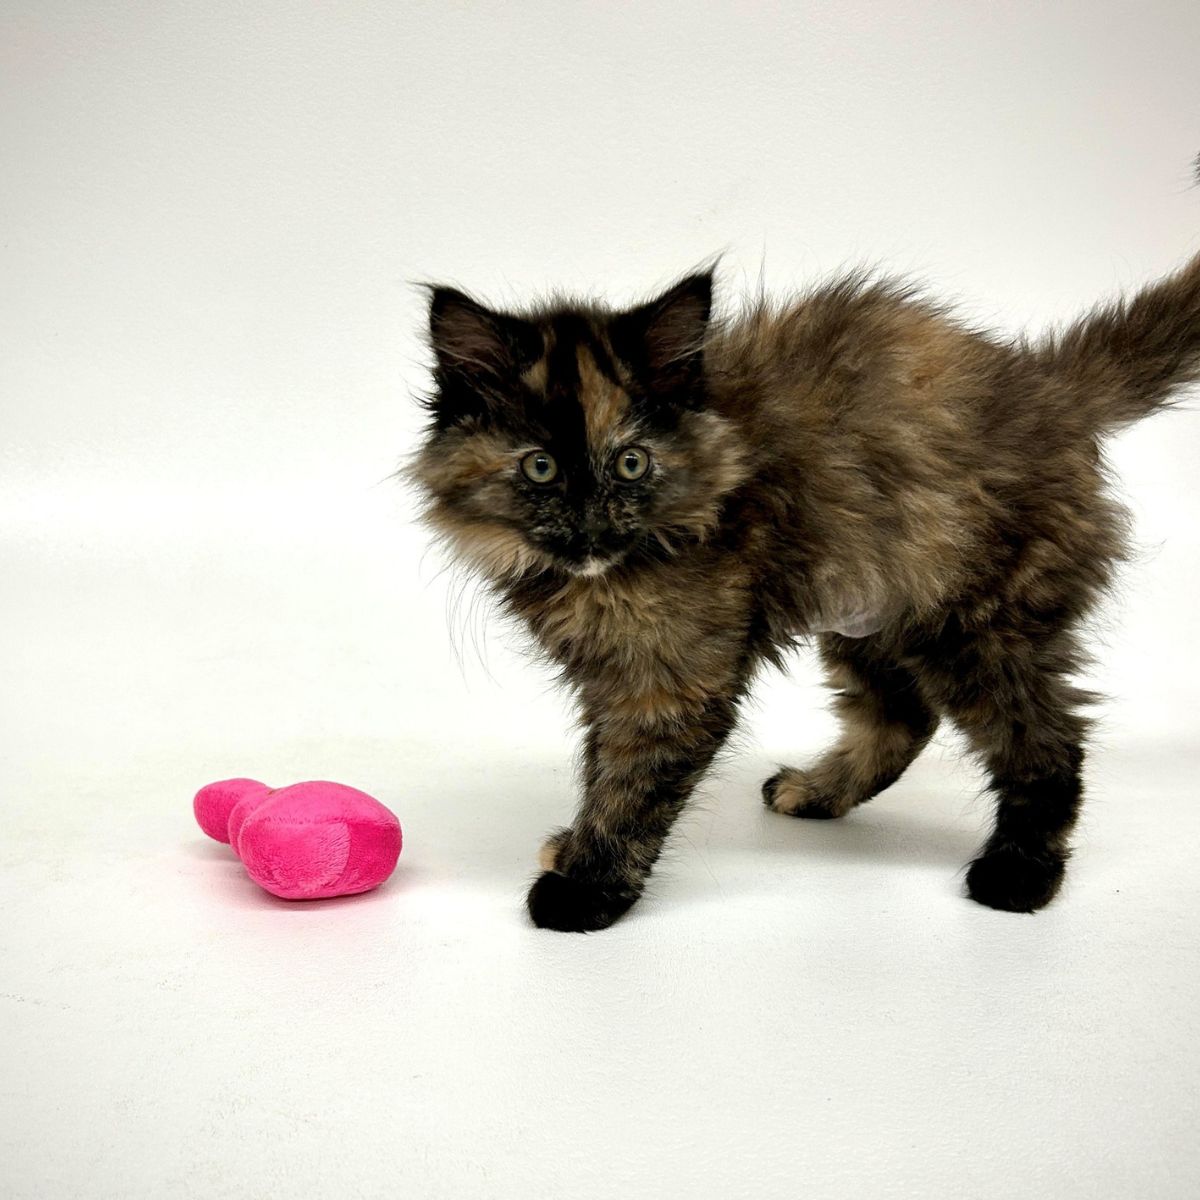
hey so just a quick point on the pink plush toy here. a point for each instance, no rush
(304, 842)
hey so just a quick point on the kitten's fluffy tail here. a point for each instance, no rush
(1125, 360)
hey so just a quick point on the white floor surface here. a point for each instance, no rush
(796, 1008)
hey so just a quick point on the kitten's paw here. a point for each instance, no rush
(575, 905)
(793, 793)
(1009, 879)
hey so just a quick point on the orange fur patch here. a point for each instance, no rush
(604, 403)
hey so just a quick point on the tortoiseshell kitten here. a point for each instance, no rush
(668, 501)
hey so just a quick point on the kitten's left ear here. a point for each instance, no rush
(665, 338)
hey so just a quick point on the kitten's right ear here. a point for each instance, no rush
(470, 339)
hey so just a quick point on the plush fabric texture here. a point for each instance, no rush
(309, 841)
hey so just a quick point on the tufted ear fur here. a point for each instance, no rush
(663, 341)
(476, 349)
(467, 336)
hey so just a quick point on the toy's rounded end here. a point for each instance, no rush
(315, 840)
(215, 801)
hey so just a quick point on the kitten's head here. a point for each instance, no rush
(573, 438)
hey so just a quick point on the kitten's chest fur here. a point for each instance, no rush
(668, 626)
(655, 637)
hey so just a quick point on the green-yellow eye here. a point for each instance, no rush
(632, 463)
(539, 466)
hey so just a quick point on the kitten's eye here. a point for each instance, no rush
(632, 463)
(539, 466)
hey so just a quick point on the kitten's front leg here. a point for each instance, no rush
(641, 764)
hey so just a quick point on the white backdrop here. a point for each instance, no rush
(212, 218)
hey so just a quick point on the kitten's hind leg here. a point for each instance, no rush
(1020, 712)
(885, 725)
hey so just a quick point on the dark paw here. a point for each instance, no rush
(575, 906)
(1007, 878)
(789, 792)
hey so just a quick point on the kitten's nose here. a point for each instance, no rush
(594, 524)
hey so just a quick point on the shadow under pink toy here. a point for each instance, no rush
(309, 841)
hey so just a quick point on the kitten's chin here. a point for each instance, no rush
(591, 568)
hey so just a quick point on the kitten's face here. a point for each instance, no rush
(573, 440)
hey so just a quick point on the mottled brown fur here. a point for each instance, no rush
(853, 465)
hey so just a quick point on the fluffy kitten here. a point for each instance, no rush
(668, 502)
